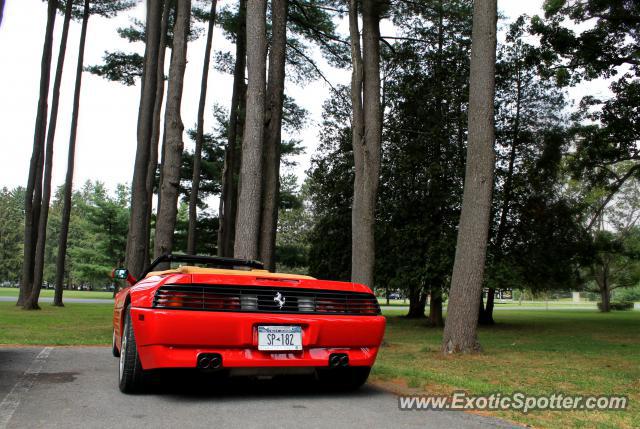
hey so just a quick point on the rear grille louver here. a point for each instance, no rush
(263, 300)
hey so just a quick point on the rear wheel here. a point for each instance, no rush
(114, 348)
(345, 379)
(131, 375)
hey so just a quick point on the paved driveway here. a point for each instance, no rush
(75, 387)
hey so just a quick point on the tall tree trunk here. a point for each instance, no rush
(468, 271)
(602, 279)
(417, 303)
(38, 266)
(367, 147)
(156, 128)
(486, 313)
(32, 199)
(357, 120)
(137, 242)
(166, 221)
(273, 129)
(197, 155)
(1, 10)
(68, 182)
(229, 197)
(250, 182)
(485, 316)
(235, 171)
(605, 297)
(435, 307)
(163, 150)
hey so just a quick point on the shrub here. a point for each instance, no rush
(628, 294)
(618, 305)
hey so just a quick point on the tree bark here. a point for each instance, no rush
(605, 297)
(229, 196)
(367, 138)
(417, 304)
(137, 243)
(197, 155)
(466, 284)
(602, 279)
(250, 183)
(273, 129)
(486, 310)
(166, 221)
(32, 198)
(1, 10)
(435, 307)
(68, 183)
(156, 128)
(357, 121)
(38, 266)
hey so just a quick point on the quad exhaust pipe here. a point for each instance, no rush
(338, 360)
(209, 361)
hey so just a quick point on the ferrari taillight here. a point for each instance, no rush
(265, 299)
(364, 307)
(175, 302)
(249, 302)
(330, 305)
(220, 302)
(196, 300)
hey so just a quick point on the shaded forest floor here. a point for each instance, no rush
(535, 352)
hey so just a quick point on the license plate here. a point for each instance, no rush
(278, 338)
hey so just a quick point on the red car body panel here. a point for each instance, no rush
(173, 338)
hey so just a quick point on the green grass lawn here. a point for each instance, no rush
(550, 304)
(48, 293)
(394, 302)
(72, 324)
(536, 352)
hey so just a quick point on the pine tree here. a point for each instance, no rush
(250, 182)
(197, 159)
(468, 269)
(166, 220)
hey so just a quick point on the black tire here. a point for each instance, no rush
(130, 373)
(114, 348)
(344, 379)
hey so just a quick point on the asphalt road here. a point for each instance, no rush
(75, 387)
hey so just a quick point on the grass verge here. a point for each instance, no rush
(535, 352)
(73, 324)
(48, 293)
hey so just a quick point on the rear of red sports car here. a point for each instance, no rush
(246, 323)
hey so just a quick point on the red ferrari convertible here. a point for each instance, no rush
(224, 314)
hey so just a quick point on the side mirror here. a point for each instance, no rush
(120, 274)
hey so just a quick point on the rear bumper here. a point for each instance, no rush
(175, 338)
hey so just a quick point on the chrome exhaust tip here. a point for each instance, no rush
(203, 362)
(209, 361)
(215, 362)
(338, 360)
